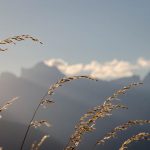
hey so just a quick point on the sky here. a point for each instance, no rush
(93, 36)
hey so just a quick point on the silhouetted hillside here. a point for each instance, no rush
(42, 74)
(71, 101)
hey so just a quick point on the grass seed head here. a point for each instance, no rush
(40, 123)
(120, 128)
(37, 145)
(138, 137)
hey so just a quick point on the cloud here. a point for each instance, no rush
(103, 70)
(144, 63)
(110, 70)
(65, 67)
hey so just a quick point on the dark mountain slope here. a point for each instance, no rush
(71, 101)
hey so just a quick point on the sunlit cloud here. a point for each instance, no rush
(110, 70)
(144, 63)
(65, 67)
(103, 70)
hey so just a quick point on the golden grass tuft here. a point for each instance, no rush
(67, 79)
(140, 136)
(88, 120)
(120, 128)
(37, 145)
(12, 40)
(40, 123)
(45, 101)
(109, 100)
(7, 104)
(2, 49)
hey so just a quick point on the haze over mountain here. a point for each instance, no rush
(41, 74)
(71, 101)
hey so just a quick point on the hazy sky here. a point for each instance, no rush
(77, 31)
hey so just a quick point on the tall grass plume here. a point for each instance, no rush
(88, 121)
(14, 39)
(137, 137)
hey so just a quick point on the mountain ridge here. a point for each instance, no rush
(71, 101)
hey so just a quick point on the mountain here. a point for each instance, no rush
(42, 74)
(29, 93)
(71, 101)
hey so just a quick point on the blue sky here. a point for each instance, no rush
(77, 31)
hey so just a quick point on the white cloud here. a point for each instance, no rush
(143, 63)
(107, 70)
(65, 67)
(110, 70)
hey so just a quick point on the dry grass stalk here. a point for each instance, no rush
(67, 79)
(122, 91)
(88, 120)
(3, 49)
(44, 101)
(122, 127)
(12, 40)
(88, 126)
(40, 123)
(140, 136)
(37, 145)
(109, 100)
(7, 104)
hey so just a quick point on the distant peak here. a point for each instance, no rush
(41, 74)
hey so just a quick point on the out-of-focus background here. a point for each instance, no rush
(106, 39)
